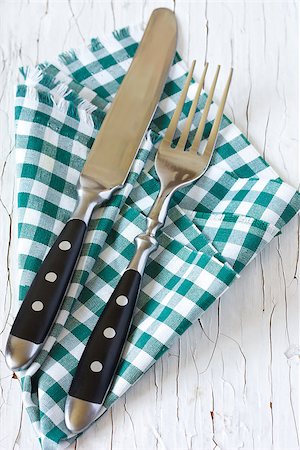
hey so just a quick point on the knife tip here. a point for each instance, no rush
(164, 12)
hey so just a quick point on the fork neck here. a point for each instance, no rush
(158, 213)
(146, 242)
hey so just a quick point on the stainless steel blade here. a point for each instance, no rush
(127, 120)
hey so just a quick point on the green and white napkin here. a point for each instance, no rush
(215, 227)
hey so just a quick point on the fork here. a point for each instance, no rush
(175, 168)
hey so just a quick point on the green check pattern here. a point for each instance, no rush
(214, 228)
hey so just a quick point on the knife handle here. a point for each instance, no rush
(100, 359)
(41, 305)
(39, 309)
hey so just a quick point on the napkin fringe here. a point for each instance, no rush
(123, 33)
(59, 92)
(68, 57)
(35, 75)
(87, 106)
(75, 106)
(32, 75)
(60, 95)
(78, 108)
(96, 44)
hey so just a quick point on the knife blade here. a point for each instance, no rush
(105, 171)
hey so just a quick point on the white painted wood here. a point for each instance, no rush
(231, 381)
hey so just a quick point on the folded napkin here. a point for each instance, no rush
(214, 227)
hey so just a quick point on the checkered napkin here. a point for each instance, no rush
(214, 226)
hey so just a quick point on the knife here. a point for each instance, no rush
(104, 172)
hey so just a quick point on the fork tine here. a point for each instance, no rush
(199, 133)
(188, 123)
(172, 125)
(209, 148)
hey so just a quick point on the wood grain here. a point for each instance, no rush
(231, 381)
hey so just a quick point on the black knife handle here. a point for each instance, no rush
(39, 309)
(101, 356)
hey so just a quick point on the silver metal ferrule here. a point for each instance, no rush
(146, 242)
(145, 245)
(90, 195)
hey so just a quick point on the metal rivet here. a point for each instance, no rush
(122, 300)
(37, 305)
(51, 277)
(65, 245)
(96, 366)
(109, 333)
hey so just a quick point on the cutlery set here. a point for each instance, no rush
(104, 172)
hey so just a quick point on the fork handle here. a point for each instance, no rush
(100, 359)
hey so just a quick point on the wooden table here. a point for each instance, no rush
(231, 381)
